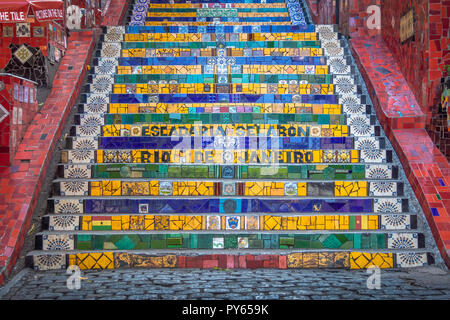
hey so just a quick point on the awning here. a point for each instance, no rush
(43, 10)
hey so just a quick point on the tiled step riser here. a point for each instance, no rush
(87, 154)
(247, 118)
(330, 34)
(305, 172)
(141, 222)
(156, 188)
(132, 205)
(296, 260)
(362, 122)
(86, 129)
(200, 88)
(217, 240)
(300, 48)
(225, 142)
(98, 105)
(225, 98)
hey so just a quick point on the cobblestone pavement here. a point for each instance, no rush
(423, 283)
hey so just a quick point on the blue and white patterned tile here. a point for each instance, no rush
(63, 223)
(43, 262)
(360, 124)
(395, 222)
(345, 85)
(68, 206)
(111, 50)
(85, 143)
(338, 65)
(58, 242)
(114, 34)
(411, 259)
(333, 48)
(77, 171)
(378, 172)
(81, 156)
(106, 66)
(383, 189)
(388, 205)
(326, 32)
(403, 241)
(74, 188)
(295, 12)
(139, 13)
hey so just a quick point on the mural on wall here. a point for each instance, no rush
(27, 62)
(31, 38)
(83, 14)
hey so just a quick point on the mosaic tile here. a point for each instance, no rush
(411, 259)
(63, 223)
(68, 206)
(403, 241)
(57, 242)
(395, 221)
(360, 260)
(92, 261)
(49, 262)
(77, 171)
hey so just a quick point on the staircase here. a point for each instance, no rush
(226, 134)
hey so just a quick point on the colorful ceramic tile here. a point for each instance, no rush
(92, 261)
(49, 262)
(218, 243)
(213, 222)
(233, 223)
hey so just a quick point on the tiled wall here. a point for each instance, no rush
(26, 47)
(413, 55)
(18, 107)
(83, 14)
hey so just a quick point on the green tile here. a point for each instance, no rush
(316, 245)
(351, 222)
(301, 244)
(193, 241)
(175, 241)
(357, 241)
(205, 241)
(125, 243)
(381, 241)
(331, 242)
(256, 244)
(97, 243)
(158, 244)
(230, 242)
(84, 237)
(84, 245)
(286, 241)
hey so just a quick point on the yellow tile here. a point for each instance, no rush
(272, 223)
(116, 223)
(86, 223)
